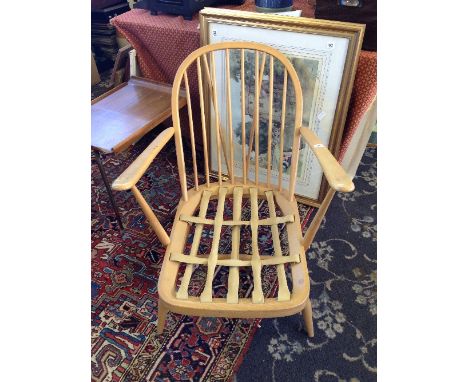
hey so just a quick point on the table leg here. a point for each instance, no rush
(97, 156)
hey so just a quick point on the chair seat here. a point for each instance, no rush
(285, 303)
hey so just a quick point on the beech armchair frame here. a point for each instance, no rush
(178, 299)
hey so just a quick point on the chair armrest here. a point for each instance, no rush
(337, 177)
(135, 171)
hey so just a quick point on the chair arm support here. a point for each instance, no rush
(135, 171)
(335, 174)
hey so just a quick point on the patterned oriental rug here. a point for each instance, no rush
(126, 264)
(125, 269)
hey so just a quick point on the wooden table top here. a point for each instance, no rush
(124, 114)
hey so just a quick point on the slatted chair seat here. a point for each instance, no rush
(246, 185)
(234, 260)
(178, 299)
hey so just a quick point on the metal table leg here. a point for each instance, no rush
(97, 156)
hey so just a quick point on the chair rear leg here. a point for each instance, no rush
(162, 314)
(307, 315)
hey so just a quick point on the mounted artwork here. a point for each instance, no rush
(324, 55)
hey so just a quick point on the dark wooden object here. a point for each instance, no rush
(106, 13)
(364, 14)
(123, 115)
(186, 8)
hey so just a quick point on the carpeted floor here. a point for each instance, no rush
(343, 272)
(125, 268)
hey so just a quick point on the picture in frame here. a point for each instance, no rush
(324, 54)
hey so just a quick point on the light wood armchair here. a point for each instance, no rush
(237, 186)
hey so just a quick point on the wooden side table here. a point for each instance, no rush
(123, 115)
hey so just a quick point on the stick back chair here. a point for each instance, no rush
(176, 298)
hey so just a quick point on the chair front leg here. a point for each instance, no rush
(162, 314)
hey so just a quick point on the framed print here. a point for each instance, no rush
(324, 54)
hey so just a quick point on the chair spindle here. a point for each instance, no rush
(213, 92)
(244, 163)
(252, 125)
(203, 122)
(215, 105)
(229, 114)
(192, 137)
(283, 119)
(270, 123)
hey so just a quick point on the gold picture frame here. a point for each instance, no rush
(338, 47)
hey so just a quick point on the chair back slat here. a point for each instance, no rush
(216, 110)
(203, 123)
(244, 159)
(270, 123)
(219, 126)
(283, 119)
(255, 128)
(242, 101)
(258, 84)
(192, 137)
(229, 114)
